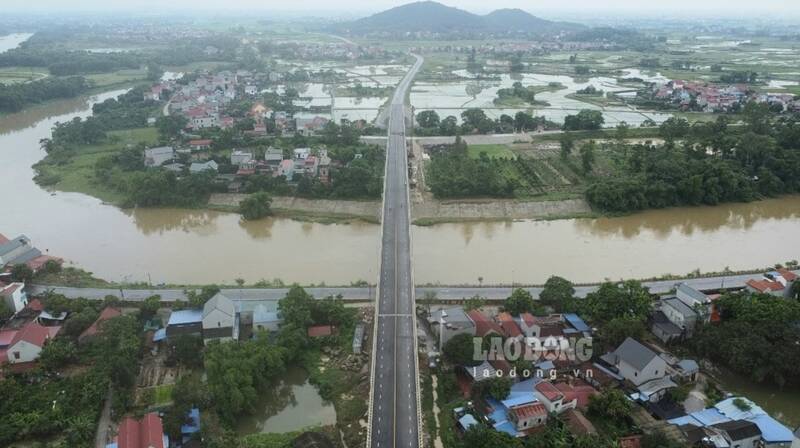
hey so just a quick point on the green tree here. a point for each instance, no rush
(520, 301)
(567, 142)
(557, 292)
(587, 156)
(480, 436)
(611, 404)
(615, 331)
(170, 126)
(460, 351)
(585, 120)
(428, 119)
(626, 299)
(22, 273)
(57, 354)
(295, 307)
(255, 206)
(149, 306)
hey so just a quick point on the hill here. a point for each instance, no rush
(433, 17)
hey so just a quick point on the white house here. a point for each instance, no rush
(450, 322)
(157, 156)
(219, 319)
(13, 249)
(554, 399)
(14, 296)
(28, 342)
(636, 363)
(680, 314)
(239, 157)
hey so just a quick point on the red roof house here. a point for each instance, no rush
(483, 325)
(508, 325)
(145, 433)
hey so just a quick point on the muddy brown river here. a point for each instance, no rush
(198, 246)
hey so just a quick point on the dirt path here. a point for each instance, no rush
(101, 437)
(437, 442)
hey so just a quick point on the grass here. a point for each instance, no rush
(69, 276)
(76, 173)
(163, 394)
(13, 75)
(117, 78)
(493, 151)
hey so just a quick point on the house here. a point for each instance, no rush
(145, 433)
(200, 144)
(553, 398)
(185, 322)
(14, 296)
(108, 313)
(266, 318)
(191, 425)
(483, 325)
(446, 323)
(527, 416)
(239, 158)
(696, 300)
(15, 251)
(636, 363)
(220, 319)
(200, 167)
(773, 433)
(273, 157)
(777, 283)
(509, 326)
(158, 156)
(324, 169)
(739, 433)
(28, 342)
(679, 314)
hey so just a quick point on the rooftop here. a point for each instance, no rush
(183, 317)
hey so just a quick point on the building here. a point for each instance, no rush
(286, 168)
(154, 157)
(185, 322)
(200, 167)
(200, 144)
(739, 433)
(446, 323)
(320, 331)
(14, 296)
(220, 319)
(554, 399)
(145, 433)
(635, 362)
(777, 283)
(674, 319)
(14, 250)
(266, 318)
(510, 328)
(28, 341)
(527, 416)
(241, 157)
(358, 338)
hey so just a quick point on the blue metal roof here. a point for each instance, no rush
(183, 317)
(519, 398)
(772, 431)
(576, 322)
(160, 335)
(507, 427)
(194, 426)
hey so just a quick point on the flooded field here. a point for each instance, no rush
(454, 97)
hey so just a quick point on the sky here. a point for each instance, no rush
(741, 8)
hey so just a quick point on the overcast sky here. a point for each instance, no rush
(741, 8)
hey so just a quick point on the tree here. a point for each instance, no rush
(587, 157)
(480, 436)
(295, 307)
(428, 119)
(170, 126)
(567, 142)
(198, 299)
(674, 128)
(449, 125)
(459, 350)
(615, 331)
(149, 306)
(519, 302)
(255, 206)
(612, 300)
(22, 273)
(186, 350)
(585, 120)
(611, 404)
(556, 293)
(57, 353)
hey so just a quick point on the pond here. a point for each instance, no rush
(783, 404)
(292, 405)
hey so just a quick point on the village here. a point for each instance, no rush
(554, 376)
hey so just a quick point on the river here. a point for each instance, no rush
(200, 247)
(11, 41)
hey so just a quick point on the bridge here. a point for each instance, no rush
(394, 405)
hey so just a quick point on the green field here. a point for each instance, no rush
(493, 151)
(76, 174)
(116, 78)
(13, 75)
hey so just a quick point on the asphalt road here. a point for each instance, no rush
(394, 404)
(443, 293)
